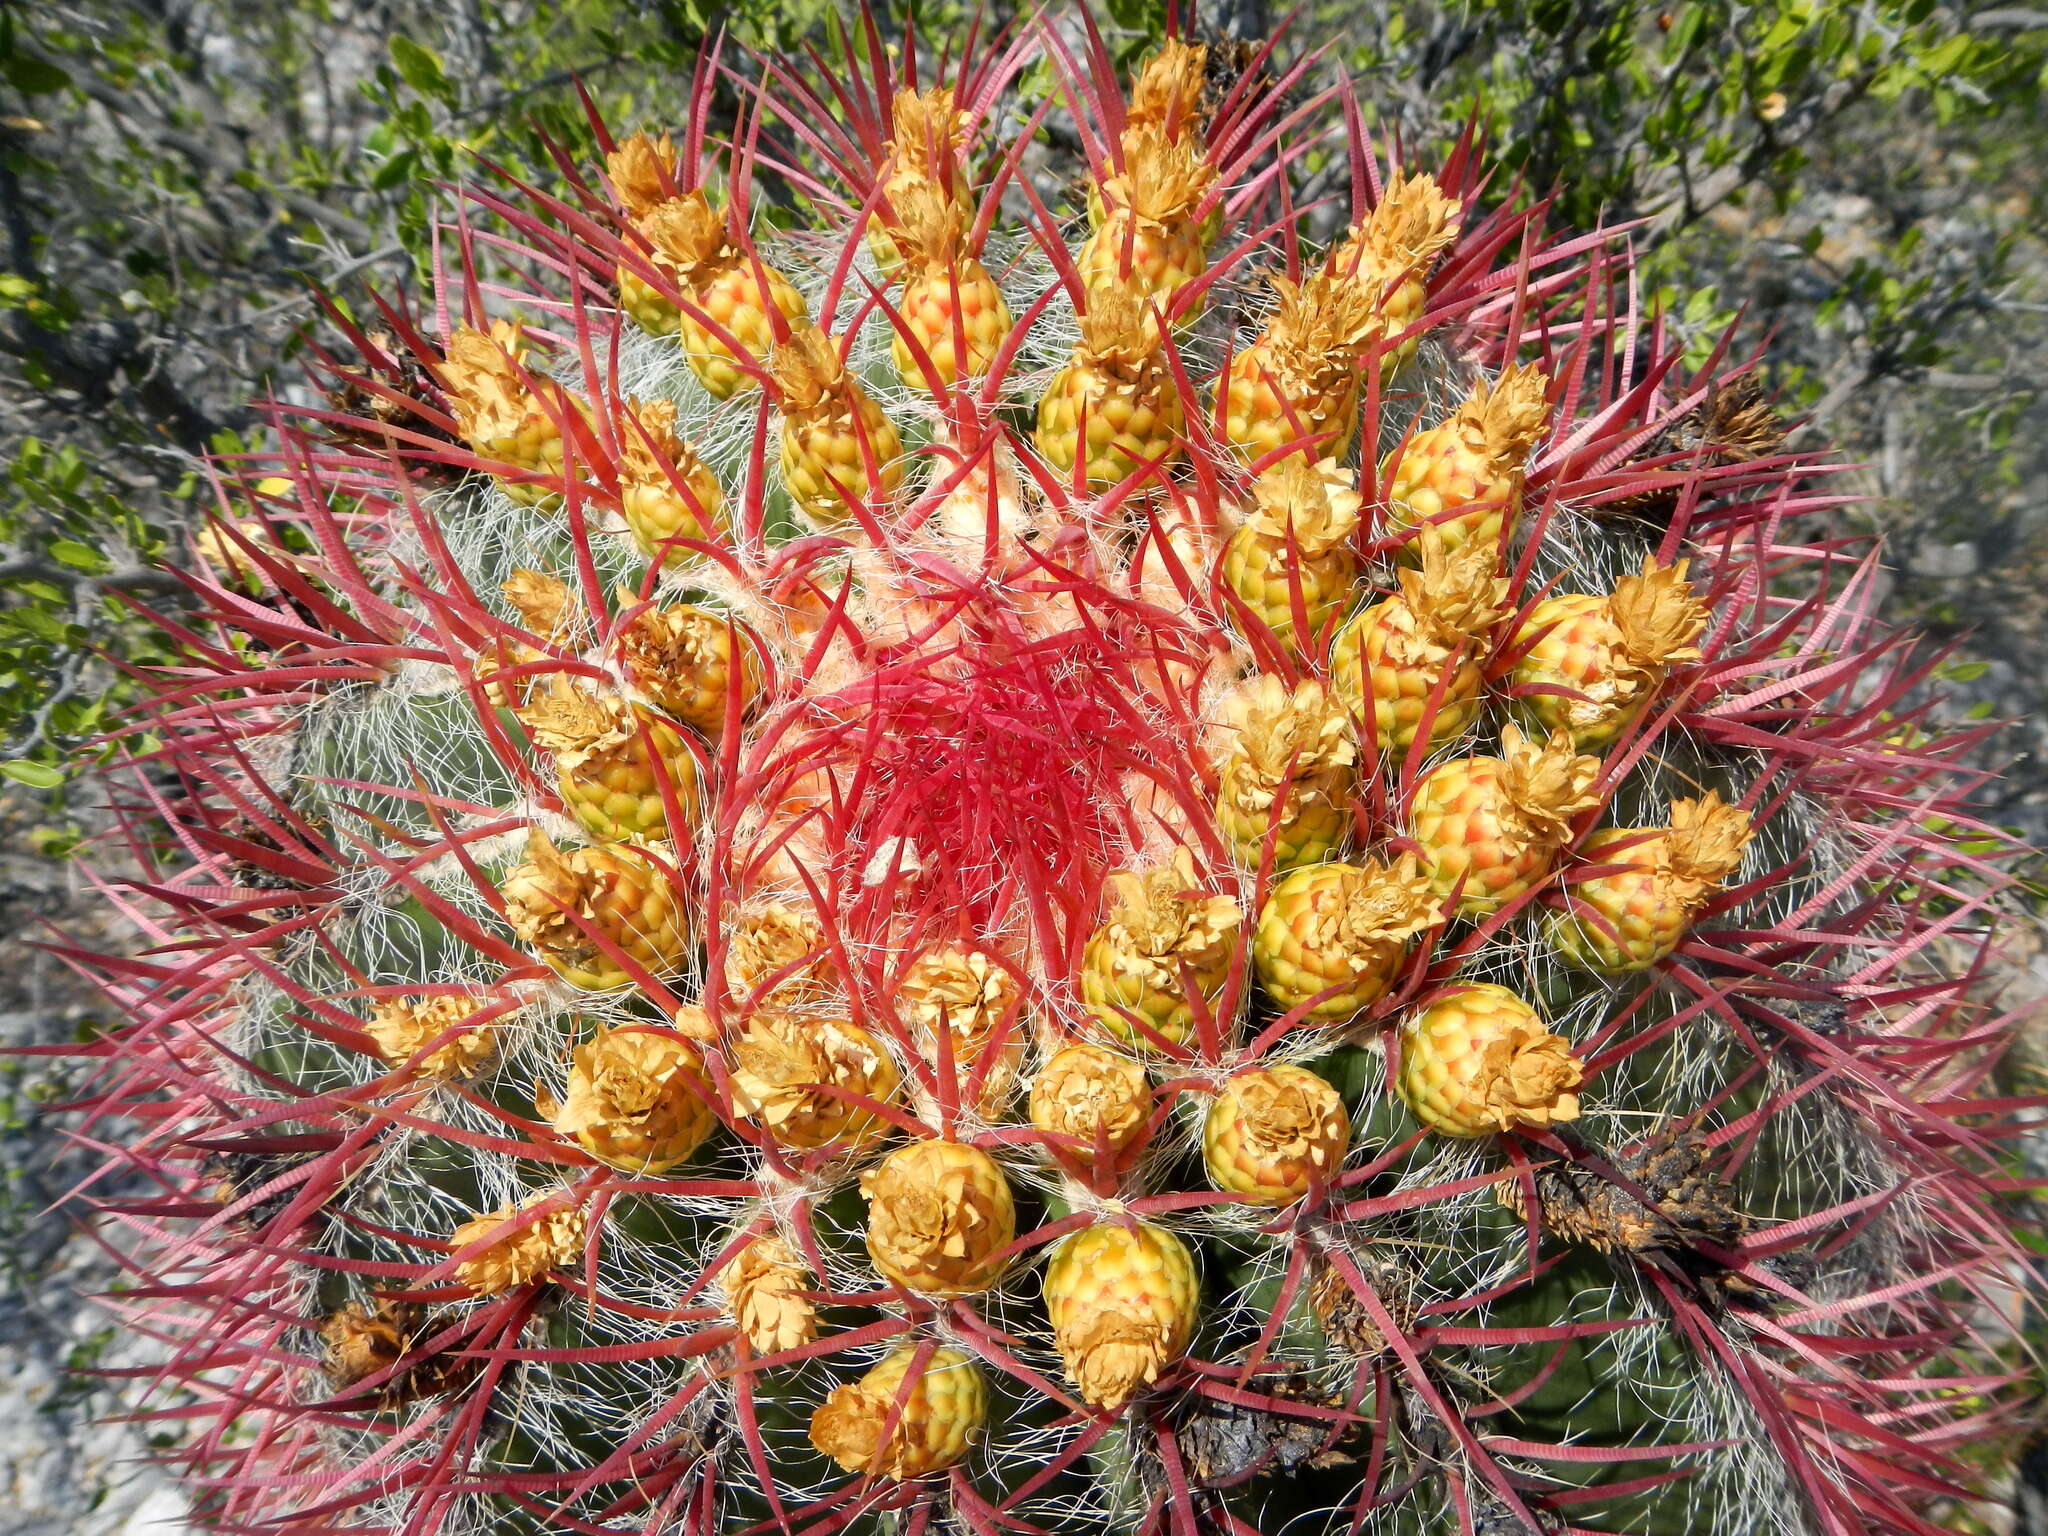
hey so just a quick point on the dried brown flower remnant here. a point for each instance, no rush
(358, 1342)
(1735, 424)
(1689, 1201)
(1225, 1441)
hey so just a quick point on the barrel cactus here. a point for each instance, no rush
(886, 832)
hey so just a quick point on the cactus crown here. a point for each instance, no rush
(743, 937)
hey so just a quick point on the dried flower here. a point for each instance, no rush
(514, 1257)
(403, 1029)
(767, 1287)
(792, 1073)
(779, 941)
(939, 1217)
(1094, 1096)
(637, 1100)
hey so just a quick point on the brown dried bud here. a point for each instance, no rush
(1346, 1320)
(360, 1342)
(1690, 1201)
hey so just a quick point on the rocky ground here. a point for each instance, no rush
(66, 1465)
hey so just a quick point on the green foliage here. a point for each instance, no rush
(72, 546)
(1630, 109)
